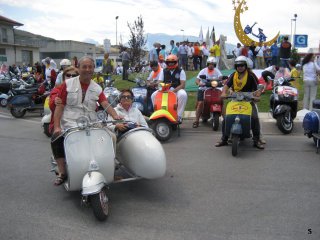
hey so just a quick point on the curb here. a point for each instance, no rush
(263, 116)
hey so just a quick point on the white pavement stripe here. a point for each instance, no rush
(9, 116)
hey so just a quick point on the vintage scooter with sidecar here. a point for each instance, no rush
(164, 118)
(91, 160)
(238, 117)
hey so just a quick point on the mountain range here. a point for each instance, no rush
(165, 40)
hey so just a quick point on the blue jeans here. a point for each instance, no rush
(284, 62)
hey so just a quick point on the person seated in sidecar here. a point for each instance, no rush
(177, 77)
(243, 80)
(211, 72)
(127, 112)
(79, 96)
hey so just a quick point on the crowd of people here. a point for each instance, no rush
(191, 56)
(264, 56)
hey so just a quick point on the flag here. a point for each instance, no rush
(213, 36)
(208, 38)
(200, 40)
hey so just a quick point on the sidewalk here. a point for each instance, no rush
(264, 116)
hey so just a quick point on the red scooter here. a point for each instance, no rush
(213, 104)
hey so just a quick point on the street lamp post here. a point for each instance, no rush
(182, 34)
(294, 33)
(117, 29)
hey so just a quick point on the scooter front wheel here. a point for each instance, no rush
(235, 145)
(17, 113)
(100, 205)
(285, 123)
(162, 129)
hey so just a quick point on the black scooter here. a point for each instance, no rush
(284, 101)
(25, 100)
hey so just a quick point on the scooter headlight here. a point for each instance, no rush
(82, 122)
(281, 80)
(214, 84)
(93, 166)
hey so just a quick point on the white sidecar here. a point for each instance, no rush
(141, 153)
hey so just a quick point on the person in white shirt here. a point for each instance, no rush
(211, 73)
(125, 110)
(155, 75)
(236, 51)
(310, 71)
(259, 56)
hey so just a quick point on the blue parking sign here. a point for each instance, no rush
(301, 41)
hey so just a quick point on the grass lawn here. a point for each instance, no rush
(263, 105)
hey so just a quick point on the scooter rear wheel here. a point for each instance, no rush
(17, 113)
(100, 205)
(215, 121)
(235, 145)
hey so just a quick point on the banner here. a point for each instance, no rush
(213, 36)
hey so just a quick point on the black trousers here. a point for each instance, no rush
(125, 65)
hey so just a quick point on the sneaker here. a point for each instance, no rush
(179, 120)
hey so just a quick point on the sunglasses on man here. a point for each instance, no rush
(72, 75)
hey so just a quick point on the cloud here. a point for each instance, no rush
(80, 19)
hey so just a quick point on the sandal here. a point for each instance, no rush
(221, 143)
(262, 141)
(258, 145)
(60, 180)
(195, 124)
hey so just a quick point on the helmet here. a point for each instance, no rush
(65, 62)
(161, 57)
(298, 66)
(240, 60)
(172, 58)
(249, 63)
(212, 60)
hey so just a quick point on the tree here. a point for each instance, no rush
(295, 56)
(136, 41)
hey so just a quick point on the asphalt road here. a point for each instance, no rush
(271, 194)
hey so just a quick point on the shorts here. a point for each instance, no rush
(201, 95)
(57, 148)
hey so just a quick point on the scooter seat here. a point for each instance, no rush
(24, 91)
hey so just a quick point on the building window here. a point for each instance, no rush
(4, 35)
(2, 51)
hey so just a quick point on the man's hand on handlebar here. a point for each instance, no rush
(57, 131)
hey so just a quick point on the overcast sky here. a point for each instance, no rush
(81, 19)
